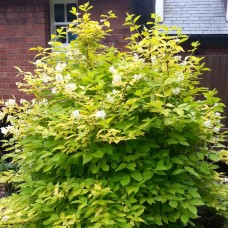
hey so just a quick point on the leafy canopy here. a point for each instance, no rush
(121, 139)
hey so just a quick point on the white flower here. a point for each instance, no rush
(137, 76)
(10, 102)
(38, 62)
(6, 130)
(136, 57)
(115, 91)
(67, 77)
(207, 123)
(70, 87)
(112, 70)
(180, 78)
(33, 101)
(60, 67)
(100, 114)
(116, 79)
(176, 91)
(5, 218)
(177, 57)
(217, 114)
(216, 129)
(153, 59)
(22, 101)
(110, 98)
(76, 114)
(54, 90)
(215, 104)
(59, 78)
(45, 78)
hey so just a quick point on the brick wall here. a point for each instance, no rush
(119, 7)
(23, 24)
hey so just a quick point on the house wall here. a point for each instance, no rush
(26, 23)
(119, 7)
(23, 24)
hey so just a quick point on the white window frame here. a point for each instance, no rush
(53, 24)
(226, 10)
(159, 8)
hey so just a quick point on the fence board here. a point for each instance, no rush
(217, 78)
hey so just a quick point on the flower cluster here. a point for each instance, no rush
(70, 87)
(76, 114)
(7, 130)
(100, 114)
(176, 90)
(10, 102)
(60, 67)
(116, 77)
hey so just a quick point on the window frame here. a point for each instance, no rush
(53, 24)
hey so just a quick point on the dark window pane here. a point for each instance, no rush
(70, 16)
(71, 36)
(62, 37)
(59, 13)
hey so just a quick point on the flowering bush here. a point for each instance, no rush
(112, 138)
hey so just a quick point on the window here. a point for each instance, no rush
(146, 8)
(61, 17)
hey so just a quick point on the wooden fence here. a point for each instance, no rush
(217, 78)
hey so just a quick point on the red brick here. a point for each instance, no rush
(25, 24)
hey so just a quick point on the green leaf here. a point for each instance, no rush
(160, 165)
(184, 143)
(125, 180)
(191, 170)
(136, 19)
(107, 23)
(145, 148)
(184, 218)
(147, 175)
(130, 189)
(177, 160)
(98, 154)
(214, 157)
(131, 166)
(178, 171)
(197, 202)
(121, 166)
(194, 192)
(193, 209)
(104, 166)
(173, 204)
(137, 176)
(87, 158)
(171, 141)
(168, 81)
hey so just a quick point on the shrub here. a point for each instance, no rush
(122, 139)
